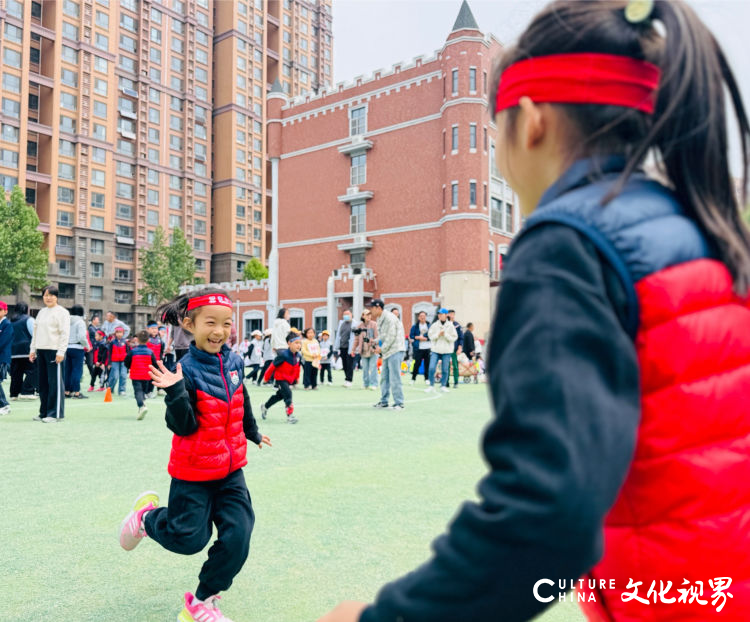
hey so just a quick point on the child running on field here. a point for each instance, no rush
(285, 371)
(118, 350)
(208, 409)
(620, 360)
(156, 345)
(99, 369)
(138, 361)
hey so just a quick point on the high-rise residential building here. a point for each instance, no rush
(119, 116)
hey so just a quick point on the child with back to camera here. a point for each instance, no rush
(208, 409)
(619, 362)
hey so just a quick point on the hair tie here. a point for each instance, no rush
(638, 11)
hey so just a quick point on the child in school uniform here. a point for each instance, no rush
(325, 357)
(619, 367)
(138, 361)
(284, 371)
(208, 409)
(100, 361)
(117, 351)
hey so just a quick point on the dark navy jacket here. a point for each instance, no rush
(6, 341)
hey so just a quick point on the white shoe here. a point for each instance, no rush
(428, 383)
(347, 384)
(445, 389)
(25, 396)
(373, 388)
(330, 384)
(5, 410)
(141, 412)
(428, 390)
(51, 420)
(411, 382)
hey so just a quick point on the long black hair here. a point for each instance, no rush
(175, 311)
(688, 130)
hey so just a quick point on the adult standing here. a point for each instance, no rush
(78, 345)
(364, 345)
(457, 347)
(281, 328)
(23, 380)
(391, 348)
(6, 345)
(442, 334)
(180, 342)
(49, 344)
(93, 326)
(420, 346)
(111, 323)
(469, 345)
(344, 339)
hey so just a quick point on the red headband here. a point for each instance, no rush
(209, 299)
(581, 79)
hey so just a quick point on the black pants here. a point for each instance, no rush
(253, 375)
(266, 365)
(184, 527)
(169, 362)
(51, 385)
(96, 372)
(23, 378)
(348, 363)
(180, 353)
(323, 368)
(309, 375)
(283, 393)
(89, 358)
(140, 388)
(419, 356)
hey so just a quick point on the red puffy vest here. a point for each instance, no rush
(693, 347)
(140, 359)
(119, 350)
(218, 447)
(155, 347)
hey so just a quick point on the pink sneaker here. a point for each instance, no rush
(132, 530)
(201, 610)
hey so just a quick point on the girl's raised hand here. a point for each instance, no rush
(266, 440)
(162, 377)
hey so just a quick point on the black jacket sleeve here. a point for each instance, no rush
(249, 424)
(128, 360)
(179, 415)
(565, 389)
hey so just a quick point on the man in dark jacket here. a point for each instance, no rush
(23, 380)
(457, 346)
(469, 347)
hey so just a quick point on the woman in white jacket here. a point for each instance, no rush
(281, 328)
(442, 336)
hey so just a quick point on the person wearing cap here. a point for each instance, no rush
(442, 336)
(326, 352)
(391, 349)
(49, 344)
(6, 345)
(254, 355)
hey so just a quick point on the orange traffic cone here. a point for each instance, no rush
(108, 395)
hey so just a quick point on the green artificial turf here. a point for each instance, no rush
(346, 500)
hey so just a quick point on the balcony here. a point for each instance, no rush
(64, 250)
(358, 143)
(360, 243)
(39, 128)
(40, 178)
(353, 194)
(38, 78)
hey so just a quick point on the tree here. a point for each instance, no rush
(255, 270)
(165, 267)
(22, 256)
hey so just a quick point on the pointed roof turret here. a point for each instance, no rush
(276, 87)
(465, 19)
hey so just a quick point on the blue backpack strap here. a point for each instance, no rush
(608, 251)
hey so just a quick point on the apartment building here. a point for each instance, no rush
(121, 116)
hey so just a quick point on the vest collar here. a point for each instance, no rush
(206, 357)
(583, 172)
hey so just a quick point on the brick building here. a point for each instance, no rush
(387, 188)
(121, 115)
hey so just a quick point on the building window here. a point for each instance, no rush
(175, 221)
(454, 194)
(64, 267)
(97, 200)
(11, 108)
(472, 136)
(124, 231)
(357, 259)
(473, 193)
(64, 219)
(123, 275)
(97, 269)
(11, 83)
(65, 171)
(472, 80)
(97, 222)
(10, 134)
(357, 121)
(454, 138)
(358, 170)
(357, 223)
(508, 217)
(124, 211)
(98, 155)
(454, 88)
(97, 247)
(125, 191)
(152, 217)
(96, 292)
(123, 254)
(66, 195)
(496, 213)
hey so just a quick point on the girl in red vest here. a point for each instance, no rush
(619, 365)
(208, 409)
(138, 361)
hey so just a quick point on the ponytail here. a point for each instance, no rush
(175, 311)
(688, 129)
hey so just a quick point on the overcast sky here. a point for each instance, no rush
(375, 34)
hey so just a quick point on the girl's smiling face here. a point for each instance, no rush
(211, 327)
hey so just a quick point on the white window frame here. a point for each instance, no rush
(362, 121)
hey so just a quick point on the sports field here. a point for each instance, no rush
(345, 500)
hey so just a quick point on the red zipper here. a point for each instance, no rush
(229, 411)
